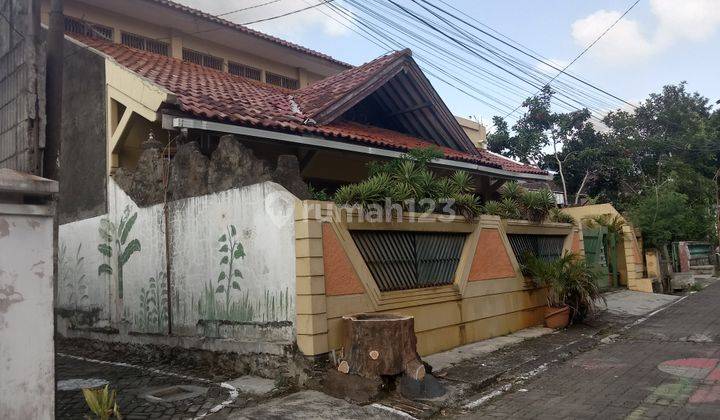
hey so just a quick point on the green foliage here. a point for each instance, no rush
(231, 250)
(519, 203)
(320, 195)
(570, 281)
(614, 224)
(72, 275)
(153, 315)
(667, 215)
(102, 403)
(670, 138)
(108, 233)
(409, 183)
(558, 216)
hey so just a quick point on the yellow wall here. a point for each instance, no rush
(178, 40)
(474, 307)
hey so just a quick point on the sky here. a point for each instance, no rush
(659, 42)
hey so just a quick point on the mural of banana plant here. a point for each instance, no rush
(124, 249)
(231, 250)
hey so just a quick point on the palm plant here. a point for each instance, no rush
(536, 205)
(570, 281)
(557, 216)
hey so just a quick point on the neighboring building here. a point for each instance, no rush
(475, 131)
(172, 220)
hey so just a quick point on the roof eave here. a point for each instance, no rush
(324, 143)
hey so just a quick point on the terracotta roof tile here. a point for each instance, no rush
(216, 95)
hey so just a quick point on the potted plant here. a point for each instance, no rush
(571, 284)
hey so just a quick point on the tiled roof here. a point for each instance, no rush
(324, 92)
(245, 29)
(216, 95)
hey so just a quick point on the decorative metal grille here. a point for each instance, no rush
(410, 260)
(546, 247)
(282, 81)
(77, 26)
(143, 43)
(202, 59)
(245, 71)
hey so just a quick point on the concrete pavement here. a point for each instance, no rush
(665, 366)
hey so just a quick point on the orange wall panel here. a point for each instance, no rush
(340, 277)
(491, 260)
(576, 243)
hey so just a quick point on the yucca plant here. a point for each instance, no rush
(536, 205)
(570, 281)
(558, 216)
(512, 190)
(510, 209)
(102, 403)
(492, 208)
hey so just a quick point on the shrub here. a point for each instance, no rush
(408, 180)
(557, 216)
(570, 281)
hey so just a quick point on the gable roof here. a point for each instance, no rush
(216, 95)
(244, 29)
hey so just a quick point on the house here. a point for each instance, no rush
(184, 197)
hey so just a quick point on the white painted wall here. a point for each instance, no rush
(27, 385)
(259, 217)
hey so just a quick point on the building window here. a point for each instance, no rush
(282, 81)
(94, 30)
(202, 59)
(245, 71)
(544, 247)
(410, 260)
(143, 43)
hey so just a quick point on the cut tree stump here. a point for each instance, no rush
(378, 345)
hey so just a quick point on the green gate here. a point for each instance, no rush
(597, 244)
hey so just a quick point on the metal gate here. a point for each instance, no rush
(595, 253)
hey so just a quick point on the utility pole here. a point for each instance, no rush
(54, 90)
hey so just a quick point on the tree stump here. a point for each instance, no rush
(381, 345)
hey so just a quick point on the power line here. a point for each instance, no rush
(521, 51)
(590, 46)
(288, 13)
(248, 8)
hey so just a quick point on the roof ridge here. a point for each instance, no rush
(243, 28)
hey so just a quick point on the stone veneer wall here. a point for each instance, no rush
(489, 297)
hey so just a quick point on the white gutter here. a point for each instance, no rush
(323, 143)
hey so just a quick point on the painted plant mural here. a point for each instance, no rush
(72, 276)
(110, 234)
(227, 300)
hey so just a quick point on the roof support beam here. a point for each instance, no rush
(323, 143)
(411, 109)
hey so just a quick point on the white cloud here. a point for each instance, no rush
(675, 21)
(292, 26)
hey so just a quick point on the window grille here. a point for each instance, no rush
(202, 59)
(410, 260)
(245, 71)
(77, 26)
(143, 43)
(546, 247)
(282, 81)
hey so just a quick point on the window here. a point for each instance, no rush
(202, 59)
(245, 71)
(282, 81)
(80, 27)
(410, 260)
(143, 43)
(546, 247)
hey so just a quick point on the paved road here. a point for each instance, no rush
(665, 367)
